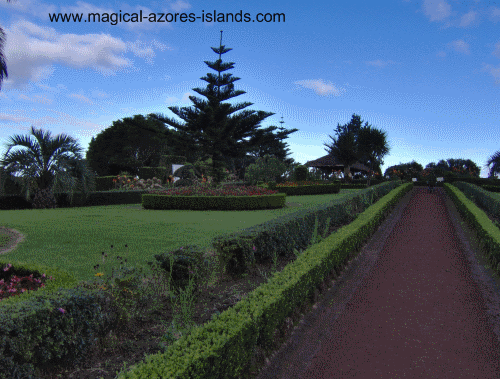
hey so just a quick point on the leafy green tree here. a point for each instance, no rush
(129, 144)
(355, 143)
(266, 169)
(265, 142)
(494, 162)
(372, 146)
(455, 168)
(210, 123)
(404, 170)
(53, 164)
(344, 147)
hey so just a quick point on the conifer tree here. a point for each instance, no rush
(210, 124)
(264, 142)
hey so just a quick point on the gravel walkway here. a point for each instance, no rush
(416, 303)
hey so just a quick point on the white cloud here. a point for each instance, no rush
(32, 51)
(171, 100)
(184, 99)
(379, 63)
(82, 98)
(436, 10)
(180, 6)
(41, 99)
(60, 123)
(139, 49)
(493, 71)
(321, 88)
(100, 94)
(84, 8)
(496, 52)
(460, 46)
(495, 13)
(32, 7)
(468, 18)
(42, 10)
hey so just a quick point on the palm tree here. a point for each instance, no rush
(3, 65)
(52, 164)
(494, 162)
(372, 145)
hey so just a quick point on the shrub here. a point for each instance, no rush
(183, 260)
(188, 171)
(206, 169)
(15, 202)
(123, 182)
(266, 169)
(301, 173)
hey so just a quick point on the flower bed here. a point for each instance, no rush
(12, 285)
(201, 190)
(296, 184)
(215, 194)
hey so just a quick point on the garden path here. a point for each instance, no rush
(417, 302)
(15, 237)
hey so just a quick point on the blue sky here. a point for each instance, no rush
(425, 72)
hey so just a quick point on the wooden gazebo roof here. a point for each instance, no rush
(329, 162)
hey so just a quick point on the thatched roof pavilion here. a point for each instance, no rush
(328, 163)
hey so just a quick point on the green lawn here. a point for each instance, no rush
(74, 238)
(496, 194)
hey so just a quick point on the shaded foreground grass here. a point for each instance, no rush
(153, 314)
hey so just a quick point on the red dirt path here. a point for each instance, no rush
(415, 303)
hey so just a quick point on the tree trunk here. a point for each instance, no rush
(370, 175)
(44, 198)
(347, 174)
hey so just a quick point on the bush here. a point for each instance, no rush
(14, 202)
(188, 171)
(301, 173)
(184, 258)
(265, 169)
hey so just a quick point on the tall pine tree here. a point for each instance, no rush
(210, 124)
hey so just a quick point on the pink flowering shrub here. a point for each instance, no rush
(123, 182)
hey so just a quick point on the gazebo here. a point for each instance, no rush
(328, 164)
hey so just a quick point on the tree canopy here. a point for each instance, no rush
(458, 167)
(493, 164)
(3, 65)
(48, 163)
(217, 132)
(355, 143)
(129, 144)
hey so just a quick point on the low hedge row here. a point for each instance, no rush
(222, 347)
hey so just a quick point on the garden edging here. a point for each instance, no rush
(158, 360)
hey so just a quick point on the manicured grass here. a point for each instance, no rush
(3, 240)
(496, 194)
(73, 239)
